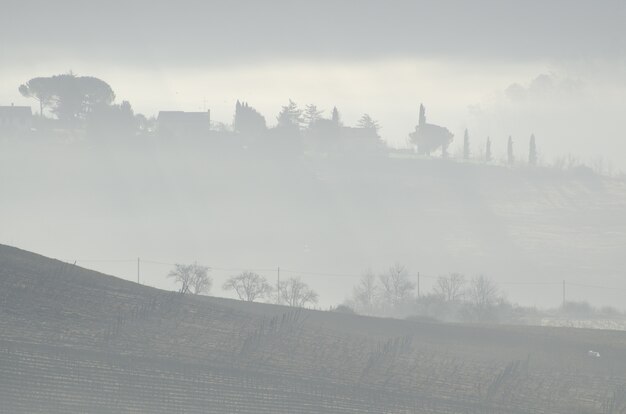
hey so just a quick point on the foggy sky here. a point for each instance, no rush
(463, 60)
(145, 32)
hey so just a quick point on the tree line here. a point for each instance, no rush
(88, 103)
(393, 292)
(248, 286)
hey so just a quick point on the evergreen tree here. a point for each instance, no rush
(466, 146)
(509, 151)
(290, 116)
(367, 122)
(311, 115)
(335, 117)
(422, 118)
(532, 151)
(248, 120)
(488, 156)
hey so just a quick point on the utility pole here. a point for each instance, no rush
(278, 286)
(563, 305)
(418, 285)
(137, 270)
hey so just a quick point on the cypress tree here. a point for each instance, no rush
(532, 151)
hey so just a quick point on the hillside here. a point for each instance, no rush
(226, 207)
(73, 340)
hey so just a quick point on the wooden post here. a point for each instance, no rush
(278, 286)
(418, 285)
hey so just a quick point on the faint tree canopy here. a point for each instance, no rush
(295, 293)
(312, 115)
(67, 96)
(249, 286)
(396, 285)
(248, 120)
(483, 292)
(366, 292)
(193, 278)
(429, 137)
(450, 288)
(290, 117)
(367, 122)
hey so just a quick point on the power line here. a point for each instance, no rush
(321, 274)
(105, 260)
(342, 275)
(594, 286)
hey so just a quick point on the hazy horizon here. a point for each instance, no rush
(506, 73)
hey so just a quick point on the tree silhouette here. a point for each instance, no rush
(367, 122)
(192, 278)
(450, 288)
(509, 152)
(248, 120)
(295, 293)
(366, 292)
(483, 292)
(466, 146)
(39, 89)
(119, 120)
(290, 116)
(335, 118)
(69, 97)
(311, 115)
(532, 151)
(429, 137)
(396, 286)
(488, 156)
(249, 286)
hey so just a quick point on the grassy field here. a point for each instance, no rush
(74, 340)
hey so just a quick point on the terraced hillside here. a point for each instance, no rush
(76, 341)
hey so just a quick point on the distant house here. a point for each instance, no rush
(360, 140)
(430, 137)
(184, 124)
(15, 119)
(328, 136)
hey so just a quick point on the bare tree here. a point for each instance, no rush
(295, 293)
(249, 286)
(396, 286)
(483, 292)
(193, 278)
(451, 288)
(366, 291)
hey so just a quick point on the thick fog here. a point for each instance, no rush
(553, 70)
(312, 207)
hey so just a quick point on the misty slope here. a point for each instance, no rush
(73, 340)
(225, 206)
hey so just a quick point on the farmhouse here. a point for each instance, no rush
(181, 124)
